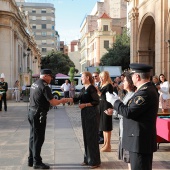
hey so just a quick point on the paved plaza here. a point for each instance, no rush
(63, 147)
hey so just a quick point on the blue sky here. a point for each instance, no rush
(69, 16)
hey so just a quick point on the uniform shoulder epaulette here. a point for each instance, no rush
(143, 88)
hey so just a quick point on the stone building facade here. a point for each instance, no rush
(20, 56)
(98, 30)
(42, 21)
(150, 33)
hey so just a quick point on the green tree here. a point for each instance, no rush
(119, 54)
(57, 62)
(71, 73)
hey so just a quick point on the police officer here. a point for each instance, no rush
(40, 100)
(139, 135)
(3, 90)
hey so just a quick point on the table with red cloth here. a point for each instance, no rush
(163, 129)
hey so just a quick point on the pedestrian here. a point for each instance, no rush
(3, 91)
(164, 98)
(17, 89)
(139, 118)
(129, 87)
(105, 120)
(96, 79)
(89, 101)
(66, 88)
(40, 100)
(72, 90)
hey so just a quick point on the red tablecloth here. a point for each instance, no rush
(163, 129)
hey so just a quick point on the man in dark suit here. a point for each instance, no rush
(139, 122)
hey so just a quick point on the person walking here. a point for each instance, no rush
(3, 91)
(40, 100)
(89, 101)
(17, 91)
(139, 118)
(105, 120)
(97, 82)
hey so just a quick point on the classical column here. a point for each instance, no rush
(133, 17)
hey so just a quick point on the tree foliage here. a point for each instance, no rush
(57, 62)
(119, 54)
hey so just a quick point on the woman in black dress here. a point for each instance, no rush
(105, 120)
(89, 100)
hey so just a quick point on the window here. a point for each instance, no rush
(106, 44)
(43, 49)
(34, 33)
(33, 17)
(43, 42)
(53, 27)
(44, 34)
(52, 19)
(43, 26)
(33, 26)
(105, 27)
(33, 11)
(52, 11)
(52, 34)
(52, 43)
(43, 18)
(43, 11)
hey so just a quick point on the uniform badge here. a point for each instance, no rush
(129, 102)
(139, 100)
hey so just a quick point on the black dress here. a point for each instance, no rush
(89, 118)
(105, 120)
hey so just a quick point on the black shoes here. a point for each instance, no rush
(41, 166)
(30, 164)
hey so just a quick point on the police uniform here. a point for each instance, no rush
(139, 122)
(40, 94)
(3, 89)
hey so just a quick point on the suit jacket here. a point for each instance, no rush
(139, 120)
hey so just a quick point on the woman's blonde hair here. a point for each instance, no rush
(88, 74)
(105, 75)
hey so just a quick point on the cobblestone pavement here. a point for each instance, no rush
(63, 147)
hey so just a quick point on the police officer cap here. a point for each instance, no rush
(46, 71)
(140, 68)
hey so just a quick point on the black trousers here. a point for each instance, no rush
(140, 161)
(66, 94)
(5, 103)
(37, 137)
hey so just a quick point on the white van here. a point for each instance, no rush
(57, 83)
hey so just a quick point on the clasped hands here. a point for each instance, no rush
(111, 98)
(66, 100)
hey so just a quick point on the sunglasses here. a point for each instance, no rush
(95, 76)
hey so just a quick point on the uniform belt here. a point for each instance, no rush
(36, 108)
